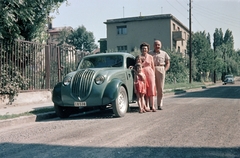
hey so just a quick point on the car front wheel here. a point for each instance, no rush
(120, 105)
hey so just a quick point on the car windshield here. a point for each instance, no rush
(229, 76)
(101, 61)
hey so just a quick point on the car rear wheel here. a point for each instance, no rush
(120, 105)
(62, 112)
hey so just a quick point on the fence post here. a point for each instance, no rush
(59, 64)
(47, 66)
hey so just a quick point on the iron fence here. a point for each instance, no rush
(34, 66)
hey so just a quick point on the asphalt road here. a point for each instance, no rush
(203, 123)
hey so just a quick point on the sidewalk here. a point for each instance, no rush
(26, 102)
(19, 109)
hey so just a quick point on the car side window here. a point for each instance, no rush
(130, 62)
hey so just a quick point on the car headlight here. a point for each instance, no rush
(67, 80)
(99, 79)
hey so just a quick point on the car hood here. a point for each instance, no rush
(108, 73)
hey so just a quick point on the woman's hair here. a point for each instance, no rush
(145, 44)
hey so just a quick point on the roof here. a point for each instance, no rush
(59, 29)
(112, 53)
(144, 18)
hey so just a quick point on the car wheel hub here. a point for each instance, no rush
(122, 102)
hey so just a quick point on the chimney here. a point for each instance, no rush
(49, 23)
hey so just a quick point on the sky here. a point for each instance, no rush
(207, 15)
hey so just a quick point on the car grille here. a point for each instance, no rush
(82, 83)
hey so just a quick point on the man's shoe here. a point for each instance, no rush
(159, 108)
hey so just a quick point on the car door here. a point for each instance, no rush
(130, 77)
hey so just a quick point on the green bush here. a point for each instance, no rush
(11, 81)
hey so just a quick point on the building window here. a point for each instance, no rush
(121, 30)
(174, 44)
(174, 27)
(178, 28)
(122, 48)
(178, 49)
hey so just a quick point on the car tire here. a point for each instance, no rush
(62, 112)
(120, 105)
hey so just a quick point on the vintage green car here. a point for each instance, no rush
(100, 80)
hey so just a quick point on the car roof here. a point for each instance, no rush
(112, 53)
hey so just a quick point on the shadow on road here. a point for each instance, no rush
(95, 114)
(230, 92)
(43, 150)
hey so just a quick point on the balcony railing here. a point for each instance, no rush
(178, 35)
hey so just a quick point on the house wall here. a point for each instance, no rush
(179, 43)
(140, 30)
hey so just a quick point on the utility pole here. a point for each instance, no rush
(190, 41)
(214, 49)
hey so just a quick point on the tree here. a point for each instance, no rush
(64, 34)
(82, 39)
(224, 50)
(25, 19)
(202, 55)
(217, 38)
(178, 71)
(228, 39)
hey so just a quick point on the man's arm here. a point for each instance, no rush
(167, 65)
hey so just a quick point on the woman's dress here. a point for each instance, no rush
(150, 75)
(140, 84)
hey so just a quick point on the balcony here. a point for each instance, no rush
(178, 35)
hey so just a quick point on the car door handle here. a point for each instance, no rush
(129, 75)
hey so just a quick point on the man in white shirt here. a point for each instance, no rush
(162, 64)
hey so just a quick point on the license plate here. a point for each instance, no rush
(77, 104)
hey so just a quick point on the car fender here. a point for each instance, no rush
(111, 91)
(56, 94)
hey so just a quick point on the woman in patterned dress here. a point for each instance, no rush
(149, 71)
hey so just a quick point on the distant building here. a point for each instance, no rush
(126, 34)
(54, 33)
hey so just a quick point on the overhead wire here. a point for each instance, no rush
(175, 8)
(213, 15)
(228, 17)
(207, 13)
(192, 15)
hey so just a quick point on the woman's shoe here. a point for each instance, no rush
(154, 110)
